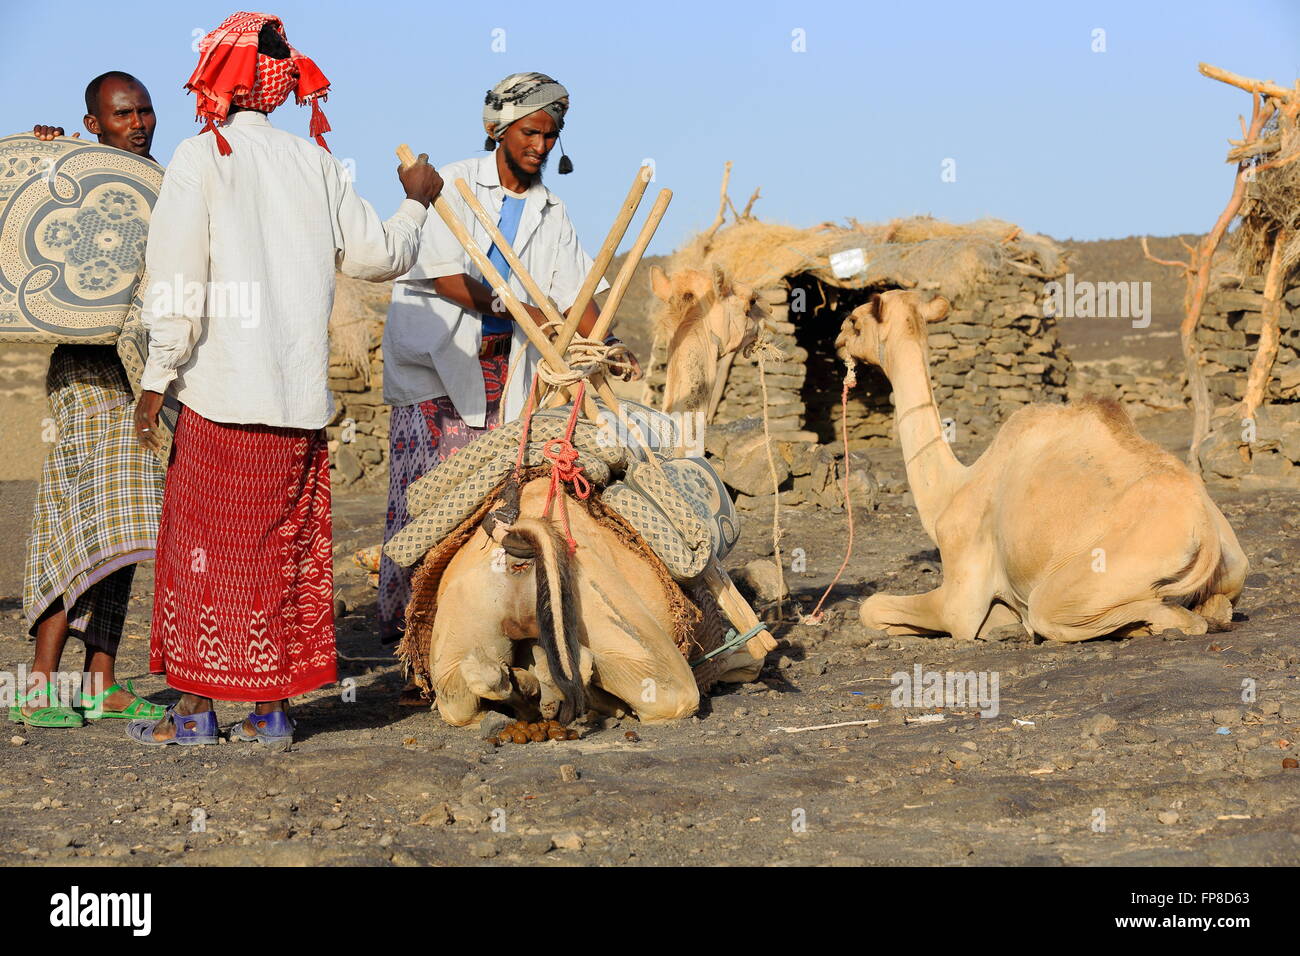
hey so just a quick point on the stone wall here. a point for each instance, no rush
(1269, 447)
(994, 353)
(358, 434)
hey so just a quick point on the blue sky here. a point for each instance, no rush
(1043, 131)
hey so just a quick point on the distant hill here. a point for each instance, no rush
(1121, 260)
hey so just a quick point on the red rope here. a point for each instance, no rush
(564, 467)
(816, 616)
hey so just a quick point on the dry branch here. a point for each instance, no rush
(1261, 367)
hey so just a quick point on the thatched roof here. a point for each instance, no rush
(901, 253)
(1272, 201)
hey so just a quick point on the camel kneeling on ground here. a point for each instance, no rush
(1070, 523)
(552, 634)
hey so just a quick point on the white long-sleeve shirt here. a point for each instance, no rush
(241, 260)
(431, 344)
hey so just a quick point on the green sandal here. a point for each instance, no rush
(92, 706)
(50, 717)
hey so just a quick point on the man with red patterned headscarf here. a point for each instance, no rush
(249, 227)
(247, 63)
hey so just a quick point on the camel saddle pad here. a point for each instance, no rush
(681, 509)
(74, 220)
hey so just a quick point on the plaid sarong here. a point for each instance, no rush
(99, 500)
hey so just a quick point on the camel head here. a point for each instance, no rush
(704, 317)
(874, 330)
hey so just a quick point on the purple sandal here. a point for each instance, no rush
(204, 730)
(274, 728)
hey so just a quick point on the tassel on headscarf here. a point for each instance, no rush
(223, 147)
(319, 124)
(566, 164)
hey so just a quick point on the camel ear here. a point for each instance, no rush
(935, 310)
(659, 284)
(721, 285)
(875, 307)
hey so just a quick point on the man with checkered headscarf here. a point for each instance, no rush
(455, 365)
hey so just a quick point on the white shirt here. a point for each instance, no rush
(431, 344)
(241, 260)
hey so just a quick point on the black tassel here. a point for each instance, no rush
(566, 164)
(490, 144)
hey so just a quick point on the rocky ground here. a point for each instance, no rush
(1138, 751)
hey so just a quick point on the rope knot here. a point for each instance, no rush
(564, 466)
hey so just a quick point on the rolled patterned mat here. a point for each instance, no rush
(74, 221)
(680, 509)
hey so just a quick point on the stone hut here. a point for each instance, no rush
(995, 352)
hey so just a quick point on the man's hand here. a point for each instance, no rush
(421, 181)
(634, 374)
(47, 133)
(146, 419)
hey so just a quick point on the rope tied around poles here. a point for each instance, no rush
(584, 358)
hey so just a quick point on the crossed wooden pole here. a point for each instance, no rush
(733, 605)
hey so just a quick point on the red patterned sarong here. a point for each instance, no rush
(244, 598)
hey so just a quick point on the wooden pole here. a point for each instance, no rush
(1261, 368)
(605, 255)
(624, 278)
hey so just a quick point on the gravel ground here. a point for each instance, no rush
(1146, 750)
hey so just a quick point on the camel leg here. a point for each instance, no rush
(904, 613)
(470, 656)
(486, 675)
(1126, 620)
(1000, 615)
(656, 687)
(1217, 610)
(1077, 603)
(957, 607)
(740, 667)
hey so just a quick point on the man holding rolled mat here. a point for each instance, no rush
(454, 364)
(79, 570)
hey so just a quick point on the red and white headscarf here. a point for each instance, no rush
(231, 71)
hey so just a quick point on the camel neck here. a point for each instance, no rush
(691, 360)
(933, 471)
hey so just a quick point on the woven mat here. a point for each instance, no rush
(74, 221)
(670, 507)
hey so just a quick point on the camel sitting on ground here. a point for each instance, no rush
(705, 319)
(1070, 523)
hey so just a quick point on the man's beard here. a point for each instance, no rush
(522, 174)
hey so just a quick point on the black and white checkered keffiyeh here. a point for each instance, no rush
(520, 94)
